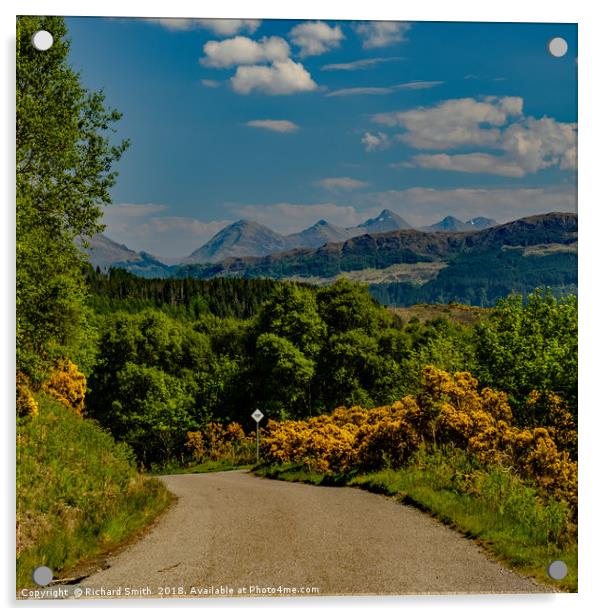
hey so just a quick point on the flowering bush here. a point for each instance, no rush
(26, 403)
(68, 385)
(448, 410)
(218, 441)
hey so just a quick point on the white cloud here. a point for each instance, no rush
(121, 216)
(359, 91)
(343, 183)
(243, 50)
(279, 126)
(285, 77)
(375, 141)
(422, 205)
(141, 227)
(519, 144)
(315, 37)
(358, 65)
(477, 162)
(382, 33)
(228, 27)
(210, 83)
(418, 85)
(411, 85)
(452, 123)
(293, 217)
(537, 144)
(177, 24)
(221, 27)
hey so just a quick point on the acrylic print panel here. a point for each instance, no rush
(262, 264)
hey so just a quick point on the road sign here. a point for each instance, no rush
(257, 416)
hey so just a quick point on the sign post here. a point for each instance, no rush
(257, 416)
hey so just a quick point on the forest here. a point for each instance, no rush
(170, 356)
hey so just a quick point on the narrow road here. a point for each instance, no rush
(232, 533)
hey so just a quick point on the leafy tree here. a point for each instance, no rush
(346, 305)
(151, 412)
(64, 172)
(528, 346)
(352, 371)
(284, 376)
(292, 313)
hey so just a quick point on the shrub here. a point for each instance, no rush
(449, 410)
(67, 384)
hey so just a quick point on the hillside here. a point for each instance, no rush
(78, 492)
(384, 249)
(402, 267)
(104, 253)
(475, 267)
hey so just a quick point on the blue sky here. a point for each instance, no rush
(287, 122)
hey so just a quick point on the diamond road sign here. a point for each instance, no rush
(257, 415)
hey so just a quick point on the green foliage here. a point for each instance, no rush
(64, 159)
(185, 298)
(304, 352)
(530, 345)
(293, 314)
(78, 493)
(284, 377)
(151, 411)
(154, 379)
(482, 278)
(346, 305)
(352, 371)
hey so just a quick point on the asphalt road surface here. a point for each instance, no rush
(234, 534)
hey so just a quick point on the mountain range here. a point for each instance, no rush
(383, 250)
(401, 267)
(246, 238)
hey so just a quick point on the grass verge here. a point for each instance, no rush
(78, 492)
(209, 466)
(495, 508)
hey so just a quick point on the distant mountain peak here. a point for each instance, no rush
(451, 223)
(480, 222)
(243, 238)
(320, 233)
(387, 220)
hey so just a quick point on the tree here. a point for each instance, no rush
(530, 346)
(292, 313)
(64, 161)
(151, 411)
(346, 306)
(352, 371)
(284, 376)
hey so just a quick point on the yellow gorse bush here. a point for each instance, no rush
(449, 409)
(67, 384)
(26, 403)
(216, 441)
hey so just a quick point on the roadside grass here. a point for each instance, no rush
(495, 508)
(208, 466)
(78, 491)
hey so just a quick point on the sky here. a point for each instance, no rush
(288, 122)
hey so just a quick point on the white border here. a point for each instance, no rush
(590, 71)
